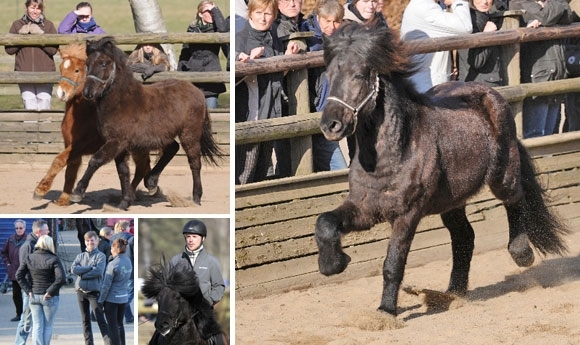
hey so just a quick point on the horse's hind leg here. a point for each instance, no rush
(142, 167)
(58, 163)
(152, 179)
(462, 244)
(193, 152)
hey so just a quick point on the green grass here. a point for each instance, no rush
(114, 17)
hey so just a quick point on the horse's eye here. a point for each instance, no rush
(359, 76)
(77, 70)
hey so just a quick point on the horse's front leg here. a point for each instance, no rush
(105, 154)
(124, 173)
(58, 163)
(330, 226)
(70, 176)
(152, 178)
(403, 232)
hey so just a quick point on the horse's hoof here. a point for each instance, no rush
(335, 265)
(197, 200)
(152, 191)
(76, 197)
(521, 252)
(124, 205)
(38, 195)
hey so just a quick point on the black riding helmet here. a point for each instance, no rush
(196, 227)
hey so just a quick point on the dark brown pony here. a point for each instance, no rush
(184, 316)
(133, 116)
(79, 128)
(420, 154)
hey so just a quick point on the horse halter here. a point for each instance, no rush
(109, 79)
(356, 109)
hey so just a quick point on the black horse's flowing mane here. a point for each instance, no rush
(181, 278)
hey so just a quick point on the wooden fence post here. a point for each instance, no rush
(299, 103)
(510, 57)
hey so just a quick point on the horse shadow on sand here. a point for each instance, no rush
(548, 274)
(108, 199)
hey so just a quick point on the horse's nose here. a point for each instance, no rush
(61, 94)
(88, 95)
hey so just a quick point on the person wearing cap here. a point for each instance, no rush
(80, 21)
(205, 265)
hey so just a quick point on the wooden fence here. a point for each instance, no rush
(35, 137)
(275, 247)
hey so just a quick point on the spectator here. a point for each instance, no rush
(148, 59)
(482, 64)
(122, 230)
(205, 265)
(325, 19)
(365, 12)
(113, 296)
(105, 235)
(38, 58)
(542, 61)
(80, 21)
(83, 226)
(258, 97)
(89, 267)
(203, 57)
(39, 228)
(41, 276)
(426, 19)
(12, 262)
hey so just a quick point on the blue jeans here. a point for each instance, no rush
(25, 323)
(326, 154)
(540, 115)
(43, 316)
(211, 102)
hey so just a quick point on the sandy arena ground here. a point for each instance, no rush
(505, 305)
(104, 192)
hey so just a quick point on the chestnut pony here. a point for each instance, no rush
(79, 128)
(420, 154)
(132, 116)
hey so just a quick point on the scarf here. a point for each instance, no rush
(32, 26)
(39, 21)
(193, 254)
(88, 25)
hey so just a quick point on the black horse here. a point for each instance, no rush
(184, 316)
(420, 154)
(145, 117)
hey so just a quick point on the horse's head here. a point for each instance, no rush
(356, 58)
(102, 66)
(182, 309)
(72, 71)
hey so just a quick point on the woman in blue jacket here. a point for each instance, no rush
(113, 295)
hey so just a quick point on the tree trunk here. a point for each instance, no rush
(147, 17)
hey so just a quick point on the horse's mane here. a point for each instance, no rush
(378, 48)
(182, 279)
(108, 46)
(74, 50)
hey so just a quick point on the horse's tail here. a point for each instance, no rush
(544, 229)
(209, 148)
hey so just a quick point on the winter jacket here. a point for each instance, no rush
(351, 14)
(115, 283)
(89, 268)
(70, 25)
(204, 57)
(207, 270)
(27, 248)
(10, 254)
(318, 84)
(481, 64)
(47, 273)
(543, 60)
(259, 97)
(32, 58)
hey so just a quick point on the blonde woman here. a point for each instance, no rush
(41, 275)
(148, 59)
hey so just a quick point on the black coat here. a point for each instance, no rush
(204, 57)
(47, 273)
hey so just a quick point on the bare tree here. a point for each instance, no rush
(147, 17)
